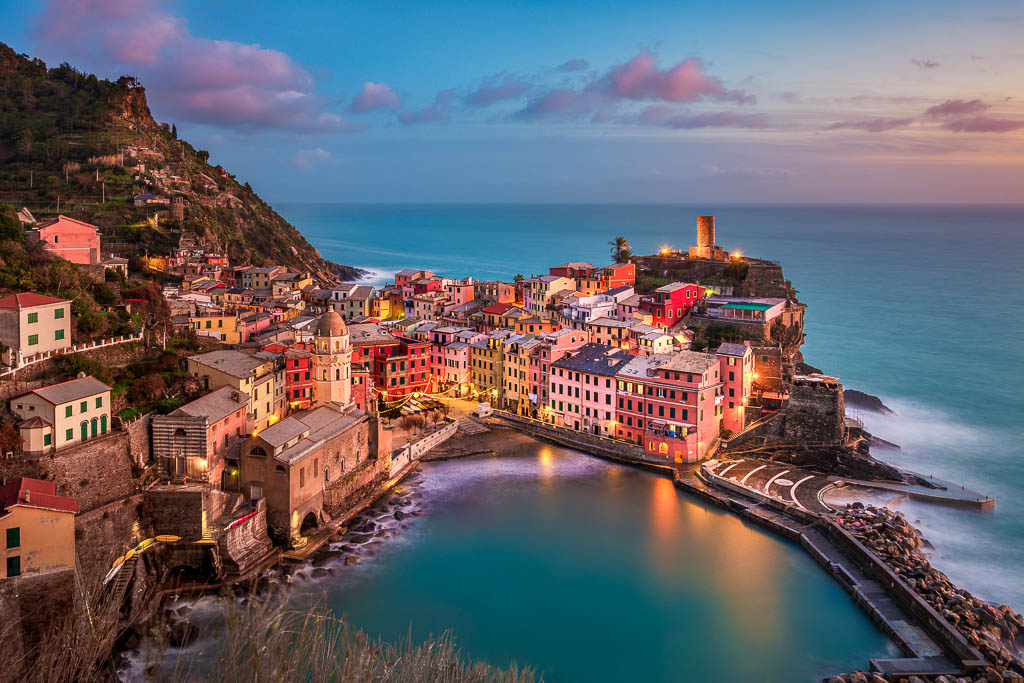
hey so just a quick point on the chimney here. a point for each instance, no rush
(28, 496)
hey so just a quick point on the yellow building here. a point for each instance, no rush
(63, 414)
(516, 370)
(37, 528)
(255, 376)
(487, 366)
(220, 326)
(611, 332)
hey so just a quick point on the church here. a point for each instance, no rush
(312, 465)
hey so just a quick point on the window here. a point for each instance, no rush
(58, 335)
(14, 538)
(47, 439)
(68, 411)
(33, 317)
(99, 401)
(69, 434)
(258, 451)
(83, 406)
(13, 566)
(33, 339)
(58, 313)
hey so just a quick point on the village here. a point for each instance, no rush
(291, 404)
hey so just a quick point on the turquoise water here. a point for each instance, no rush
(923, 306)
(590, 571)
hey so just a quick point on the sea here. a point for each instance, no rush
(922, 306)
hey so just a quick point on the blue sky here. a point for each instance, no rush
(572, 101)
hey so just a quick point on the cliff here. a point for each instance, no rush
(85, 146)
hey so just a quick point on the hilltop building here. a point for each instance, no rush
(70, 239)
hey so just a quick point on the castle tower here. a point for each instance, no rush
(332, 362)
(178, 208)
(705, 247)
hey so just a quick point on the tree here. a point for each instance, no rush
(518, 278)
(174, 131)
(621, 251)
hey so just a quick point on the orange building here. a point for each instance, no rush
(37, 528)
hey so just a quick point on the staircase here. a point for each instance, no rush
(470, 426)
(123, 580)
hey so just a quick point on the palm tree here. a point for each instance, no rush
(621, 251)
(518, 278)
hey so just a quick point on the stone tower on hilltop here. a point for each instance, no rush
(705, 247)
(178, 208)
(332, 362)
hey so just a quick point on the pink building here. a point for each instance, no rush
(249, 326)
(583, 389)
(70, 239)
(737, 371)
(553, 346)
(671, 405)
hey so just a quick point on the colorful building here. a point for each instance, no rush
(670, 303)
(31, 324)
(37, 528)
(70, 239)
(583, 389)
(62, 414)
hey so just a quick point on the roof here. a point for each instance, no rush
(330, 325)
(691, 362)
(34, 493)
(310, 428)
(738, 350)
(749, 307)
(215, 405)
(673, 286)
(497, 309)
(72, 390)
(368, 333)
(408, 272)
(62, 219)
(456, 346)
(234, 363)
(595, 359)
(616, 266)
(613, 322)
(575, 265)
(29, 299)
(361, 292)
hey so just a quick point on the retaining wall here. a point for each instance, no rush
(417, 449)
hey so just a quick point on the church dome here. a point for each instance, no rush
(331, 325)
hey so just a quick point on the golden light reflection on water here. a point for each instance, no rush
(744, 568)
(546, 462)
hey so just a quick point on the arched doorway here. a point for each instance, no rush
(95, 426)
(103, 424)
(85, 430)
(309, 523)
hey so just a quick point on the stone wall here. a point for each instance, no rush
(31, 605)
(139, 442)
(764, 278)
(94, 473)
(815, 413)
(182, 510)
(371, 473)
(415, 450)
(107, 532)
(769, 368)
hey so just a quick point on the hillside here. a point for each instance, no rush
(85, 146)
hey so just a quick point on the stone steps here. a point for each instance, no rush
(470, 426)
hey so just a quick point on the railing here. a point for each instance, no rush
(74, 348)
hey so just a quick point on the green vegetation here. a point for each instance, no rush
(714, 335)
(621, 251)
(90, 145)
(645, 284)
(735, 271)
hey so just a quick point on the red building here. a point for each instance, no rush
(392, 365)
(670, 303)
(619, 275)
(75, 241)
(298, 374)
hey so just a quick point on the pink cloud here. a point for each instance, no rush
(878, 125)
(956, 108)
(983, 124)
(216, 82)
(640, 79)
(438, 111)
(492, 91)
(375, 96)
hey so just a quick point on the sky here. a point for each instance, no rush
(563, 102)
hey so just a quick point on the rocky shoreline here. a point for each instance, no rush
(998, 632)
